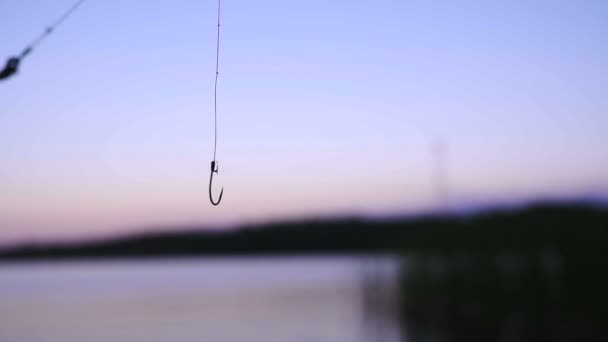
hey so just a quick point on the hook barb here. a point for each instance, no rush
(214, 169)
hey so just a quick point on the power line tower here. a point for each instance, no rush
(440, 174)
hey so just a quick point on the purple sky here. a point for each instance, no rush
(325, 108)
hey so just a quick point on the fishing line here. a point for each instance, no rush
(12, 65)
(217, 73)
(214, 163)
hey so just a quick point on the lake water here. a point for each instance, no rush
(223, 300)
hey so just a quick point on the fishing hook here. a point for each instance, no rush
(12, 65)
(214, 169)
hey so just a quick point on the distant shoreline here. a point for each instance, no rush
(567, 227)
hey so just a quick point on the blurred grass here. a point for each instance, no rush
(538, 274)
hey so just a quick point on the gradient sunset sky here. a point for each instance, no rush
(325, 108)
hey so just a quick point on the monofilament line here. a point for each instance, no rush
(52, 27)
(217, 73)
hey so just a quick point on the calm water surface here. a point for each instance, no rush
(231, 300)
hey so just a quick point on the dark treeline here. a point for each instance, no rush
(572, 228)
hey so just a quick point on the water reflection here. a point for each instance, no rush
(239, 299)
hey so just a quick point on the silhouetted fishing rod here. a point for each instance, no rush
(214, 164)
(12, 65)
